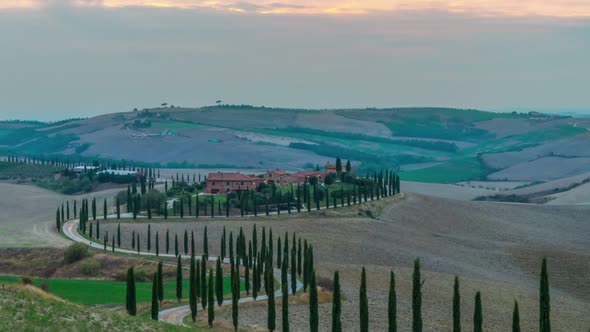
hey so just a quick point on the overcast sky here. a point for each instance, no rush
(79, 58)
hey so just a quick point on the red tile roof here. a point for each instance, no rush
(230, 177)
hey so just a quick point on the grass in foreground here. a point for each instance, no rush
(26, 308)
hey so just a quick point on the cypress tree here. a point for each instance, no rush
(416, 298)
(364, 303)
(192, 291)
(97, 229)
(223, 248)
(392, 305)
(204, 282)
(104, 209)
(313, 304)
(90, 233)
(544, 300)
(105, 240)
(279, 250)
(157, 245)
(130, 302)
(138, 245)
(198, 279)
(285, 297)
(160, 282)
(68, 209)
(167, 241)
(118, 208)
(515, 318)
(149, 238)
(155, 303)
(271, 316)
(211, 306)
(58, 222)
(235, 292)
(219, 282)
(247, 278)
(185, 242)
(129, 200)
(336, 305)
(132, 240)
(205, 244)
(113, 244)
(175, 244)
(478, 315)
(299, 258)
(179, 280)
(456, 307)
(93, 209)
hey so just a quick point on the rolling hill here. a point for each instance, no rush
(428, 144)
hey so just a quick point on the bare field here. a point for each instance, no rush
(496, 248)
(27, 214)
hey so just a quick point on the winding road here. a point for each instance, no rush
(174, 315)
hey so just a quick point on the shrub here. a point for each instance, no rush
(26, 281)
(141, 276)
(90, 267)
(326, 284)
(75, 252)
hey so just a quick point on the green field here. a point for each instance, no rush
(92, 292)
(453, 171)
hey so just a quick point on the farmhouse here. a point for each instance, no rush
(331, 168)
(221, 183)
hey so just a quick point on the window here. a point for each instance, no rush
(241, 183)
(213, 183)
(227, 183)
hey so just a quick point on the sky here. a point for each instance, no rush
(79, 58)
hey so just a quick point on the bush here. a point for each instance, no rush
(326, 284)
(75, 252)
(90, 267)
(26, 281)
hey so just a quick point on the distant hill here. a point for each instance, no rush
(428, 144)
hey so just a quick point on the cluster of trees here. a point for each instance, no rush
(250, 260)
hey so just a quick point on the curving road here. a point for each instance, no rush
(174, 315)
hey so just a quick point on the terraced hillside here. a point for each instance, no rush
(428, 144)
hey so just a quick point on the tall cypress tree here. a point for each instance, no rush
(336, 305)
(364, 303)
(478, 314)
(271, 316)
(149, 238)
(118, 208)
(58, 222)
(219, 282)
(192, 291)
(157, 244)
(392, 305)
(119, 235)
(223, 241)
(198, 279)
(235, 296)
(313, 304)
(192, 243)
(179, 280)
(544, 300)
(185, 242)
(416, 298)
(211, 306)
(293, 271)
(205, 244)
(456, 307)
(204, 282)
(167, 241)
(104, 209)
(155, 302)
(160, 282)
(285, 297)
(515, 318)
(175, 244)
(130, 302)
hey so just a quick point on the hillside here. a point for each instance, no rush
(27, 308)
(428, 144)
